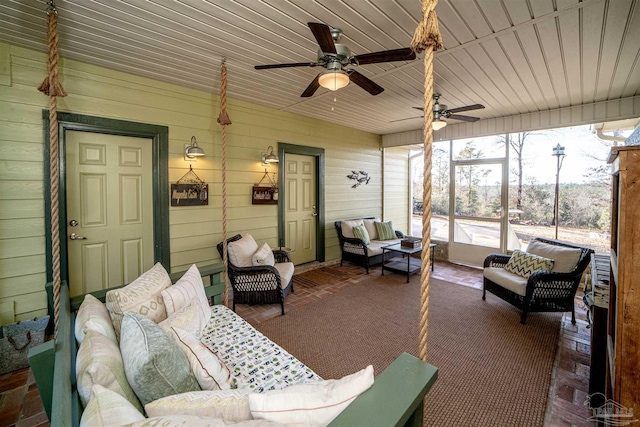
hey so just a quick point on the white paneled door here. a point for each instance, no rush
(301, 212)
(109, 210)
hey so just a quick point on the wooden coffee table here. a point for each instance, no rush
(408, 266)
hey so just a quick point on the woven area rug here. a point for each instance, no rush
(493, 371)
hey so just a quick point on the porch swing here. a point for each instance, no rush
(396, 397)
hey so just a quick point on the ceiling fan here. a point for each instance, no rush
(441, 112)
(336, 57)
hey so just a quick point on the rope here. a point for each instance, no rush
(224, 121)
(51, 86)
(426, 38)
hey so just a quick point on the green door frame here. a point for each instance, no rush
(318, 153)
(160, 153)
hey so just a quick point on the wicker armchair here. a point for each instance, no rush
(258, 284)
(545, 291)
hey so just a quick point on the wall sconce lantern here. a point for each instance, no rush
(269, 157)
(193, 151)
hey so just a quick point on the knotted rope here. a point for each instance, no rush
(426, 38)
(224, 121)
(51, 86)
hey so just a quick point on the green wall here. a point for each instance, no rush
(194, 231)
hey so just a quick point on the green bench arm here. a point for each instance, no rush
(396, 397)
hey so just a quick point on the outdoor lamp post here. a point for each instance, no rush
(558, 151)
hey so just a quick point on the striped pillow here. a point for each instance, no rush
(360, 232)
(525, 264)
(385, 230)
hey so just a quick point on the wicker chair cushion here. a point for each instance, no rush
(241, 251)
(360, 232)
(510, 281)
(263, 256)
(375, 247)
(286, 270)
(347, 227)
(565, 259)
(371, 228)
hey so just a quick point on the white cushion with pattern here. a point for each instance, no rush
(208, 369)
(107, 409)
(186, 289)
(188, 318)
(230, 405)
(142, 296)
(241, 251)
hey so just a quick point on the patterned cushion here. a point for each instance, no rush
(241, 251)
(230, 405)
(524, 264)
(93, 316)
(266, 367)
(385, 230)
(188, 318)
(99, 362)
(263, 256)
(360, 232)
(209, 371)
(186, 289)
(142, 296)
(107, 408)
(314, 405)
(154, 364)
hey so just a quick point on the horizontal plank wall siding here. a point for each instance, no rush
(396, 188)
(194, 231)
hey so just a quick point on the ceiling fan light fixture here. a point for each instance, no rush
(438, 124)
(333, 79)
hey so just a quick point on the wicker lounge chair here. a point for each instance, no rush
(260, 284)
(543, 291)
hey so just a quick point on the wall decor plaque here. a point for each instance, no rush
(190, 190)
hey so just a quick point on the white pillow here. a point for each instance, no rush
(312, 405)
(188, 288)
(99, 362)
(196, 421)
(188, 318)
(347, 227)
(230, 405)
(93, 316)
(264, 256)
(565, 259)
(210, 372)
(371, 228)
(241, 251)
(142, 296)
(107, 408)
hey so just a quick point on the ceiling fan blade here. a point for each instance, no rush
(409, 118)
(404, 54)
(463, 118)
(365, 83)
(312, 88)
(323, 36)
(466, 108)
(418, 108)
(294, 64)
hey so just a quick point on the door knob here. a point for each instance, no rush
(73, 223)
(74, 236)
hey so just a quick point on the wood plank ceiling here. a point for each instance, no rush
(513, 56)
